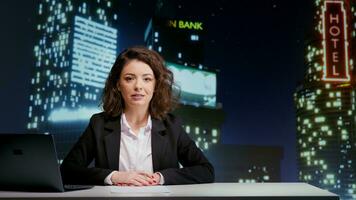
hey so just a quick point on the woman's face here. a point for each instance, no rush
(137, 84)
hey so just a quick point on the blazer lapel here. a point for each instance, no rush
(112, 142)
(158, 143)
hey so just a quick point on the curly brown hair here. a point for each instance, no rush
(163, 100)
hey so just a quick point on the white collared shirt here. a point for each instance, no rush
(135, 150)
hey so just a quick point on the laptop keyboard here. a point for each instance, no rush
(77, 187)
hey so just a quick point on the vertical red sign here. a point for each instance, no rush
(336, 66)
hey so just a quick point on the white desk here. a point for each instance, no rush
(280, 191)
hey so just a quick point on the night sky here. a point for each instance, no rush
(258, 47)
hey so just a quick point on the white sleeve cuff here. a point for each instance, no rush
(107, 180)
(161, 180)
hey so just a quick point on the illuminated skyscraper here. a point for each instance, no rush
(76, 45)
(181, 43)
(325, 102)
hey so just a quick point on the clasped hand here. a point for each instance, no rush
(135, 178)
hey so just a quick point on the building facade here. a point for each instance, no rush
(325, 101)
(75, 47)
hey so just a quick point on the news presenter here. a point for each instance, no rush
(135, 141)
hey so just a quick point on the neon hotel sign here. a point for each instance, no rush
(336, 66)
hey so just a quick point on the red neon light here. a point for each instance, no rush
(336, 66)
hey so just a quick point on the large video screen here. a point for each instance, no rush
(196, 87)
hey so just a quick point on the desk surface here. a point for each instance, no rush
(199, 191)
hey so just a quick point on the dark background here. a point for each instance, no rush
(258, 46)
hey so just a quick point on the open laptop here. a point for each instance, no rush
(29, 162)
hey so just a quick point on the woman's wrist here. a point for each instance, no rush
(115, 178)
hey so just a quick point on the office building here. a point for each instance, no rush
(75, 47)
(325, 101)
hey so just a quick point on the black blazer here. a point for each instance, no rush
(170, 144)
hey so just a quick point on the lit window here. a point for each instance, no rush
(214, 133)
(266, 177)
(194, 37)
(322, 142)
(187, 129)
(337, 103)
(324, 128)
(206, 145)
(319, 119)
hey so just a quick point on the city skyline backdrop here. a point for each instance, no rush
(258, 49)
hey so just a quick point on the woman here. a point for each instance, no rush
(135, 141)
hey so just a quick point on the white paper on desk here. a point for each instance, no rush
(143, 189)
